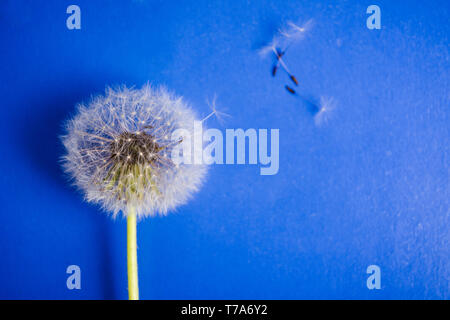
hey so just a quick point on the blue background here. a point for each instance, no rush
(369, 187)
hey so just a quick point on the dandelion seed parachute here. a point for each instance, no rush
(220, 115)
(294, 31)
(286, 36)
(119, 147)
(325, 109)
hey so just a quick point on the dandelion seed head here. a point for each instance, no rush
(116, 154)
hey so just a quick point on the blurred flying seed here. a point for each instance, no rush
(274, 70)
(292, 91)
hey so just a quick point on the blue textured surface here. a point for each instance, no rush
(369, 187)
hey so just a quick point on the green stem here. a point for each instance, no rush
(133, 288)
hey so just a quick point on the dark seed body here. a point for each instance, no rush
(294, 79)
(292, 91)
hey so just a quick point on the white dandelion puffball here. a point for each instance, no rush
(119, 151)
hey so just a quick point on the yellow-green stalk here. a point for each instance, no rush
(133, 286)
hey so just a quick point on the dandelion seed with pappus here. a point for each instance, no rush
(118, 154)
(280, 43)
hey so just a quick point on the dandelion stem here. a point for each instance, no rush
(133, 289)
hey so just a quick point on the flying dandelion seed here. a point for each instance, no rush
(325, 110)
(280, 43)
(119, 147)
(218, 114)
(286, 36)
